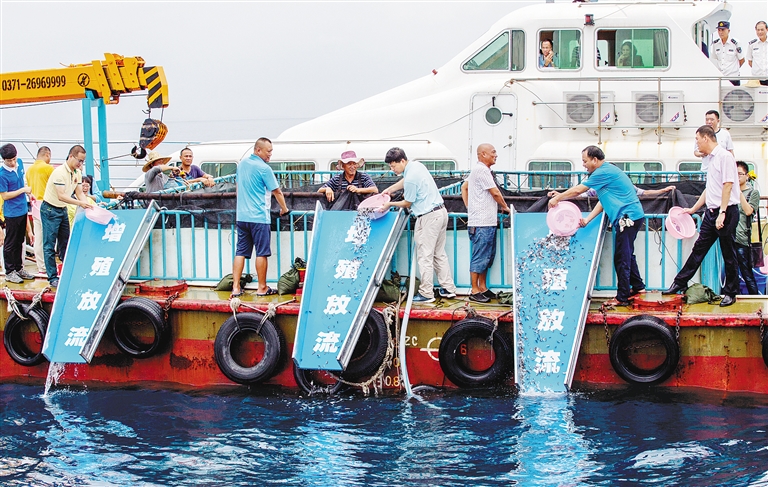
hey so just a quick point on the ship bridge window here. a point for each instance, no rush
(633, 48)
(505, 53)
(549, 181)
(565, 46)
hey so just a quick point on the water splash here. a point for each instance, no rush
(55, 371)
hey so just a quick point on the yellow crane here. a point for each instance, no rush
(96, 83)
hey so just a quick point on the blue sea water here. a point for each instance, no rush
(159, 438)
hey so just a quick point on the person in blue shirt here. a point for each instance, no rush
(547, 56)
(619, 199)
(256, 184)
(14, 194)
(422, 197)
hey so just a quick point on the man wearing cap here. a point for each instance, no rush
(349, 178)
(421, 195)
(64, 181)
(14, 195)
(37, 178)
(722, 197)
(255, 182)
(482, 198)
(726, 52)
(617, 195)
(757, 52)
(155, 179)
(712, 118)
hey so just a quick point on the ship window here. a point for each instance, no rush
(633, 48)
(687, 166)
(505, 53)
(219, 169)
(566, 45)
(293, 174)
(432, 165)
(549, 180)
(637, 168)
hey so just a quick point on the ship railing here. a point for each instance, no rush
(538, 180)
(201, 248)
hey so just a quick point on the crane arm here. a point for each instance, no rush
(106, 79)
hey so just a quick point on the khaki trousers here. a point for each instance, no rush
(429, 235)
(37, 231)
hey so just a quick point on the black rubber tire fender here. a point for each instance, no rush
(765, 349)
(450, 351)
(147, 311)
(370, 349)
(632, 374)
(274, 344)
(12, 339)
(307, 384)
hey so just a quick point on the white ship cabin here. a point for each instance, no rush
(631, 77)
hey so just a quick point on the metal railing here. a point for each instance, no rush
(191, 247)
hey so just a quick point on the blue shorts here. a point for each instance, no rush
(483, 248)
(250, 235)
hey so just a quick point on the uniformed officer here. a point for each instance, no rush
(726, 52)
(757, 52)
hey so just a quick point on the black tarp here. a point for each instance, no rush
(217, 205)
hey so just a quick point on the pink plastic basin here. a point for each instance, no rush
(679, 224)
(563, 219)
(99, 215)
(375, 201)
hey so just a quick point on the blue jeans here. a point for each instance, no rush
(628, 276)
(55, 235)
(744, 256)
(483, 248)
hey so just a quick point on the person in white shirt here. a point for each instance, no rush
(757, 52)
(726, 52)
(722, 197)
(483, 199)
(712, 118)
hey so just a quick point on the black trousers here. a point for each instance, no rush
(707, 237)
(15, 233)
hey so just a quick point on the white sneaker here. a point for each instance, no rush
(14, 277)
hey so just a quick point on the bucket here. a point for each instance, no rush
(679, 224)
(302, 275)
(99, 215)
(375, 201)
(563, 219)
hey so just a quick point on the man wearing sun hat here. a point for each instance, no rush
(155, 179)
(349, 179)
(64, 181)
(726, 52)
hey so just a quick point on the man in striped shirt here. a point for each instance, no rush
(482, 198)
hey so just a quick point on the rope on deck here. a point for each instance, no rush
(13, 304)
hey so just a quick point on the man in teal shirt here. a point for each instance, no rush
(256, 184)
(619, 199)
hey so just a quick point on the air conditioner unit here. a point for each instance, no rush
(652, 110)
(737, 106)
(761, 106)
(581, 108)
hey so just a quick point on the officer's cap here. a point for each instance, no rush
(723, 24)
